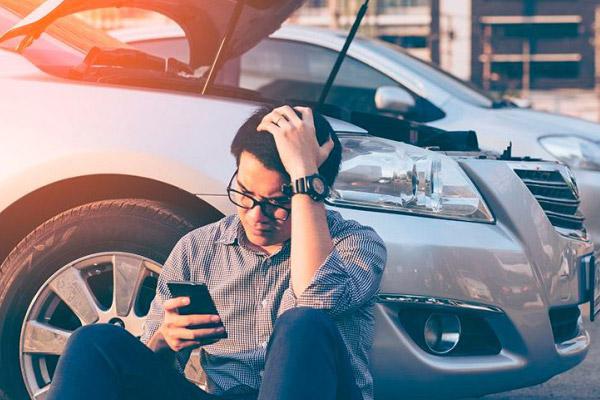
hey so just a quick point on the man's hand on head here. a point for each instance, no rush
(296, 140)
(301, 155)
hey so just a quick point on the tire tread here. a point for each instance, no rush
(159, 210)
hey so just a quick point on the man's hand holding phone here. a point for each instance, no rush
(184, 331)
(191, 319)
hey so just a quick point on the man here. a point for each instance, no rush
(294, 285)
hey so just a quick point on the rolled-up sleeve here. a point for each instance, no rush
(348, 278)
(176, 268)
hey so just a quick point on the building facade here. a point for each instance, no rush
(501, 45)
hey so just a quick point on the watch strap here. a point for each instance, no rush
(303, 186)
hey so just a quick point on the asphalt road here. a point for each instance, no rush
(579, 383)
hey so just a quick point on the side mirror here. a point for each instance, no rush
(393, 98)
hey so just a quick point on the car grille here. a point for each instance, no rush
(559, 199)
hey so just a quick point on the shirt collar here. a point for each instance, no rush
(231, 232)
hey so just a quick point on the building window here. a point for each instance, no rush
(557, 74)
(407, 42)
(396, 6)
(404, 3)
(508, 77)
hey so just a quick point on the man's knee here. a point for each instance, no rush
(97, 334)
(304, 322)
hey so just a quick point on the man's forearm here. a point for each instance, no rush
(311, 240)
(302, 155)
(157, 344)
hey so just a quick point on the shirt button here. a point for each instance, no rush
(264, 344)
(264, 303)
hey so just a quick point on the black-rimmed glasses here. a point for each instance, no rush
(268, 207)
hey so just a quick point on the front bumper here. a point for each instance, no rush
(529, 355)
(520, 269)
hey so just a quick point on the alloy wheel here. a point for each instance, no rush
(113, 287)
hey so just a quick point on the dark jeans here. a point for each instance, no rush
(306, 359)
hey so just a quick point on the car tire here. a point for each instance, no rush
(123, 232)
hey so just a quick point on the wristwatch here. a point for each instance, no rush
(313, 185)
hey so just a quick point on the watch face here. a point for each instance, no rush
(318, 185)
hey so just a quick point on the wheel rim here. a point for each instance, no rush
(112, 287)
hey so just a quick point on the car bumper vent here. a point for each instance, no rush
(565, 323)
(559, 199)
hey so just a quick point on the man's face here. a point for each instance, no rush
(261, 183)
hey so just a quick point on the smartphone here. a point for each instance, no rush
(200, 300)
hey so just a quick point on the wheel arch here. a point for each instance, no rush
(33, 209)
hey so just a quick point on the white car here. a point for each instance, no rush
(377, 77)
(110, 155)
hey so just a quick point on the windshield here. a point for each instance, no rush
(428, 72)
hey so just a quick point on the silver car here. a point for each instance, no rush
(384, 79)
(109, 155)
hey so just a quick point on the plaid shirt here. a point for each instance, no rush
(251, 289)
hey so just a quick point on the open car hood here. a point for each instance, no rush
(203, 21)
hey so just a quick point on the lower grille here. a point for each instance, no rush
(477, 337)
(565, 323)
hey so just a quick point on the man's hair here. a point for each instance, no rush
(261, 145)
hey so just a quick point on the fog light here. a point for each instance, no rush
(442, 332)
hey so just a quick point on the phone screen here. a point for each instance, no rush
(200, 300)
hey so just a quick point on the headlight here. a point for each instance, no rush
(381, 174)
(574, 151)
